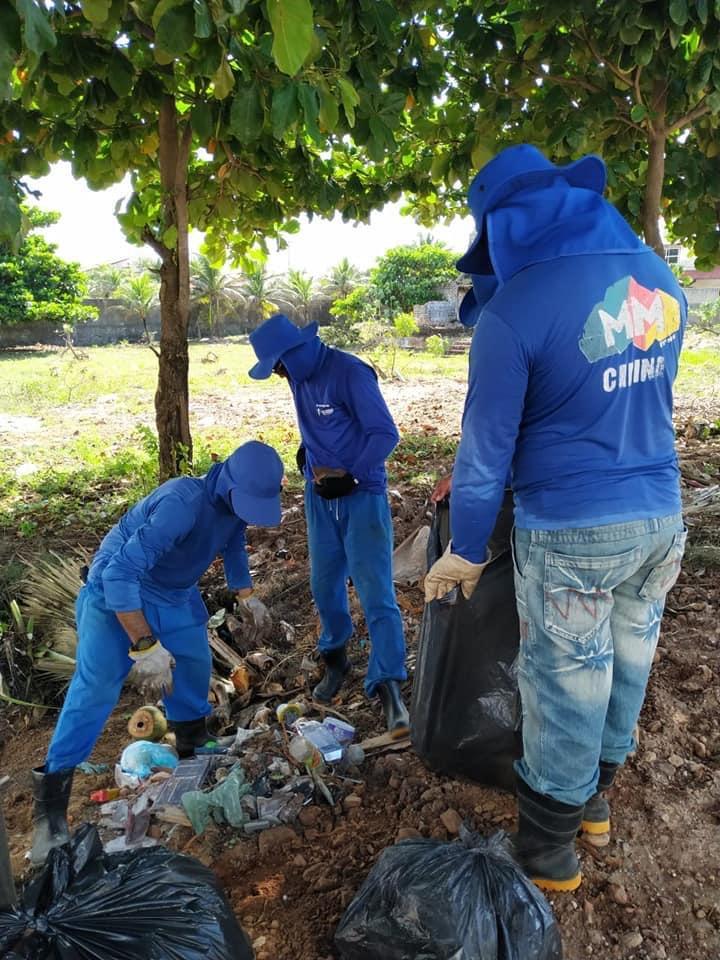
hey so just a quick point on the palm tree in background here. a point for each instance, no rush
(301, 290)
(213, 288)
(103, 281)
(341, 280)
(139, 295)
(260, 292)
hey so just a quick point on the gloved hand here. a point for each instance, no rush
(301, 458)
(152, 673)
(331, 487)
(449, 571)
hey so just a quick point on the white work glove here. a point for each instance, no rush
(152, 673)
(449, 571)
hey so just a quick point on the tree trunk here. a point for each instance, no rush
(650, 215)
(172, 395)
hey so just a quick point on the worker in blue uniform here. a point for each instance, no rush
(141, 610)
(578, 331)
(347, 434)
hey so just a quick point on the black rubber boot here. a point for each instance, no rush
(337, 667)
(396, 716)
(545, 841)
(596, 815)
(51, 793)
(190, 734)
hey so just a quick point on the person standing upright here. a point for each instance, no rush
(347, 434)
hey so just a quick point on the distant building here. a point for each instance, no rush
(705, 285)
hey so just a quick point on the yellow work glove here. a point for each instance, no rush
(450, 571)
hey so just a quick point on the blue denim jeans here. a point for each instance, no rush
(590, 602)
(103, 664)
(353, 537)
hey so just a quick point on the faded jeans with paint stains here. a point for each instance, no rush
(590, 602)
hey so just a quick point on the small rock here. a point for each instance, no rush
(299, 861)
(451, 820)
(655, 726)
(676, 760)
(618, 894)
(309, 816)
(408, 833)
(352, 802)
(632, 940)
(277, 837)
(659, 953)
(699, 748)
(260, 942)
(588, 912)
(395, 782)
(650, 756)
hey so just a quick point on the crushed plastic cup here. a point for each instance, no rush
(342, 731)
(305, 752)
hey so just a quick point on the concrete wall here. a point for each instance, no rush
(114, 325)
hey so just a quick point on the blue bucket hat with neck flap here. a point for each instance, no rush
(277, 336)
(512, 170)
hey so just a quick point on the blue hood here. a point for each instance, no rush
(539, 223)
(303, 361)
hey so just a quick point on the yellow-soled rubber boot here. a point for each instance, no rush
(545, 841)
(595, 827)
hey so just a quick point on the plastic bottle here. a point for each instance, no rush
(302, 751)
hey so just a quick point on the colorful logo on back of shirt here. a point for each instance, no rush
(629, 314)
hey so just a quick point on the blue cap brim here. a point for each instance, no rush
(259, 511)
(263, 368)
(472, 260)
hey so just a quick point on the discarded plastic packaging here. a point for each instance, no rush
(104, 796)
(289, 713)
(141, 757)
(305, 752)
(353, 756)
(342, 731)
(222, 803)
(320, 737)
(122, 843)
(244, 735)
(94, 769)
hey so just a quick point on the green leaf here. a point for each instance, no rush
(223, 81)
(638, 112)
(9, 46)
(170, 236)
(39, 35)
(329, 110)
(176, 30)
(10, 215)
(702, 10)
(96, 11)
(121, 74)
(203, 20)
(246, 114)
(678, 12)
(350, 99)
(284, 111)
(630, 34)
(201, 120)
(311, 110)
(292, 27)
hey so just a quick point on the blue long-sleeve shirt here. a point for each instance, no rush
(570, 385)
(161, 547)
(343, 419)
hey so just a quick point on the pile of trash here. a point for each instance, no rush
(257, 778)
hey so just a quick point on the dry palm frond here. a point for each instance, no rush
(50, 588)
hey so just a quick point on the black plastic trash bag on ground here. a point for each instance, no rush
(467, 900)
(148, 904)
(465, 712)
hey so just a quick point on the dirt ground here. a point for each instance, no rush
(652, 894)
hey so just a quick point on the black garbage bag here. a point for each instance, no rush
(466, 714)
(467, 900)
(147, 904)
